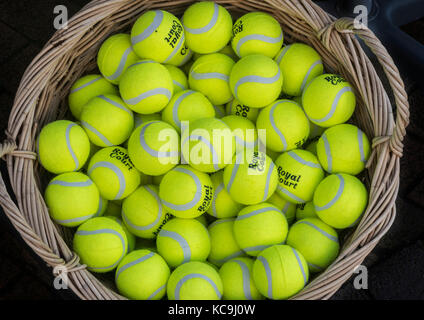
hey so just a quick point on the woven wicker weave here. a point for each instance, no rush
(41, 98)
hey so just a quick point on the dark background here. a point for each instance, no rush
(395, 266)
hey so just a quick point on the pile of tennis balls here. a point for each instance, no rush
(257, 217)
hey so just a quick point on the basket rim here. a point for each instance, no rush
(44, 238)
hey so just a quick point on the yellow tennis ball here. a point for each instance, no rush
(280, 272)
(142, 275)
(286, 125)
(186, 192)
(223, 206)
(107, 121)
(143, 213)
(244, 132)
(328, 100)
(113, 172)
(154, 148)
(236, 108)
(150, 95)
(157, 35)
(340, 200)
(300, 64)
(223, 243)
(316, 241)
(256, 81)
(115, 56)
(260, 226)
(210, 75)
(187, 105)
(131, 239)
(306, 210)
(286, 207)
(343, 149)
(208, 144)
(140, 119)
(62, 146)
(183, 240)
(101, 244)
(72, 198)
(182, 57)
(299, 174)
(195, 281)
(237, 279)
(257, 33)
(179, 78)
(87, 88)
(207, 27)
(220, 112)
(252, 178)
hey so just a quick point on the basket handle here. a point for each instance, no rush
(347, 25)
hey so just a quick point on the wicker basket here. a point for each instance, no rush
(41, 98)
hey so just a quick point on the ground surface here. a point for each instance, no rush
(395, 266)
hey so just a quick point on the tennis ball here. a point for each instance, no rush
(183, 240)
(299, 173)
(234, 107)
(210, 75)
(343, 149)
(179, 79)
(130, 237)
(260, 226)
(101, 244)
(223, 243)
(107, 121)
(187, 105)
(252, 178)
(154, 148)
(340, 200)
(195, 281)
(208, 144)
(143, 213)
(115, 56)
(280, 272)
(207, 27)
(158, 35)
(220, 112)
(85, 89)
(61, 193)
(300, 64)
(286, 125)
(150, 95)
(286, 207)
(256, 81)
(306, 210)
(328, 100)
(62, 146)
(186, 192)
(316, 241)
(223, 206)
(112, 170)
(257, 33)
(140, 119)
(237, 279)
(244, 132)
(142, 275)
(182, 57)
